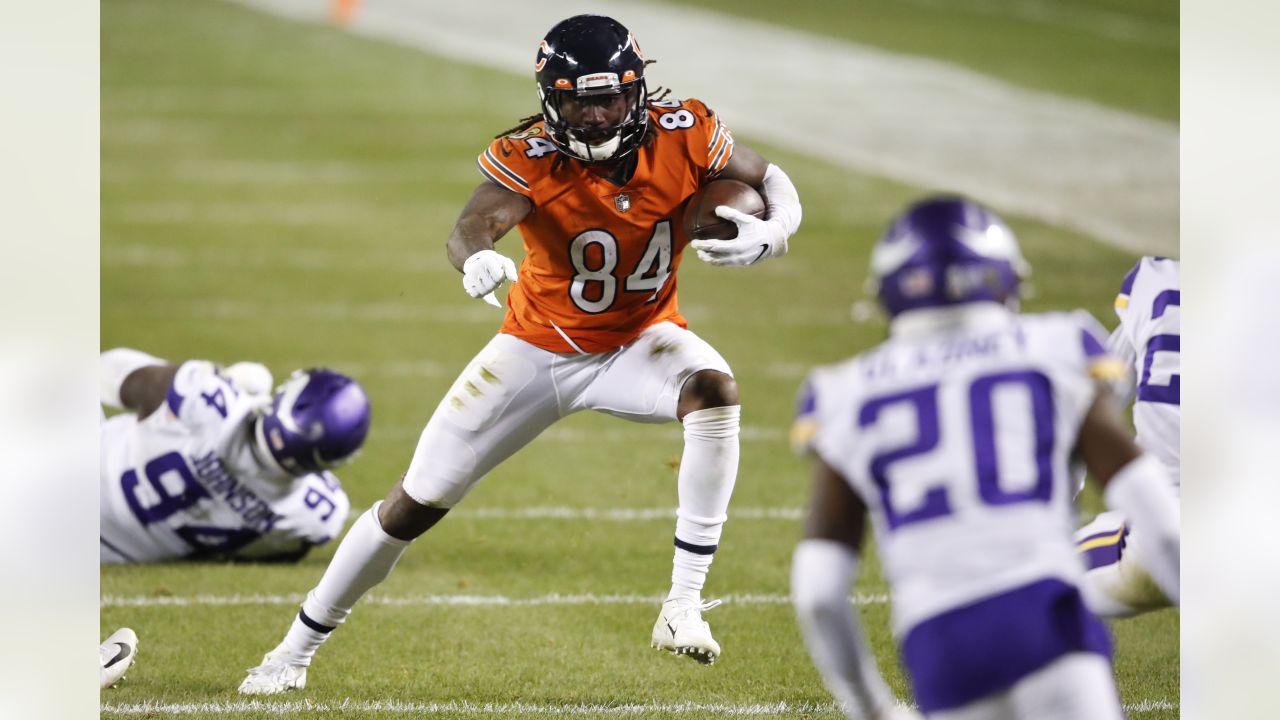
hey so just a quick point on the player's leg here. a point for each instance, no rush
(1078, 686)
(502, 400)
(1115, 583)
(667, 374)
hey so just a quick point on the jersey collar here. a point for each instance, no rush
(970, 316)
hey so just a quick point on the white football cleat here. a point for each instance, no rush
(681, 630)
(116, 655)
(275, 675)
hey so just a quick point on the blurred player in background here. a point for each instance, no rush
(1148, 340)
(956, 436)
(594, 182)
(209, 465)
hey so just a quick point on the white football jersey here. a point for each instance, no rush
(183, 482)
(1148, 339)
(958, 433)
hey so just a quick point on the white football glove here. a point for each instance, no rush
(250, 378)
(757, 239)
(484, 272)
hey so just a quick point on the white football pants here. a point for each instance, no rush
(512, 391)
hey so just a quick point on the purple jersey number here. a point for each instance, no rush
(202, 538)
(924, 402)
(169, 464)
(1147, 391)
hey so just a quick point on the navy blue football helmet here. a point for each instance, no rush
(946, 250)
(592, 56)
(318, 420)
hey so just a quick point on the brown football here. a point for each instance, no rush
(700, 219)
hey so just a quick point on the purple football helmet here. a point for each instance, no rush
(943, 251)
(318, 420)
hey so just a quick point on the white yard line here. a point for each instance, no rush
(554, 599)
(616, 514)
(516, 709)
(1104, 172)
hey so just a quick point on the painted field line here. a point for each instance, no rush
(617, 514)
(554, 599)
(1105, 172)
(517, 709)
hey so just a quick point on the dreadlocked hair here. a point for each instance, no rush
(524, 124)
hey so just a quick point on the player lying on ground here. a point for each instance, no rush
(595, 183)
(207, 464)
(1148, 340)
(955, 436)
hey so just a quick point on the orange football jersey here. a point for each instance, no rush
(601, 259)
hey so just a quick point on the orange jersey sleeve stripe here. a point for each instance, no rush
(491, 168)
(715, 136)
(720, 156)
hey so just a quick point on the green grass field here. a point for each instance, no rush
(282, 192)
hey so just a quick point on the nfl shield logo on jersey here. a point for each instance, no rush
(622, 202)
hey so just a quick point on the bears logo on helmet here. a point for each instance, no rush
(592, 57)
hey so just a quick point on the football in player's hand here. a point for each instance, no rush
(700, 219)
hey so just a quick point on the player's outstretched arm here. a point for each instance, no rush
(822, 572)
(757, 239)
(133, 380)
(1134, 484)
(490, 213)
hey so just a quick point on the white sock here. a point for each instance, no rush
(364, 558)
(708, 470)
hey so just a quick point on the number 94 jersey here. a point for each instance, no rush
(183, 482)
(959, 442)
(600, 259)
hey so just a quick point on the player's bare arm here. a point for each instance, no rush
(144, 389)
(490, 213)
(836, 512)
(133, 380)
(747, 166)
(1105, 444)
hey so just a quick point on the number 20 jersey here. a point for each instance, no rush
(183, 482)
(601, 259)
(959, 442)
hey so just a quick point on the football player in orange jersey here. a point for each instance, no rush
(595, 183)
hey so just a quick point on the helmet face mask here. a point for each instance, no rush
(590, 75)
(318, 420)
(946, 251)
